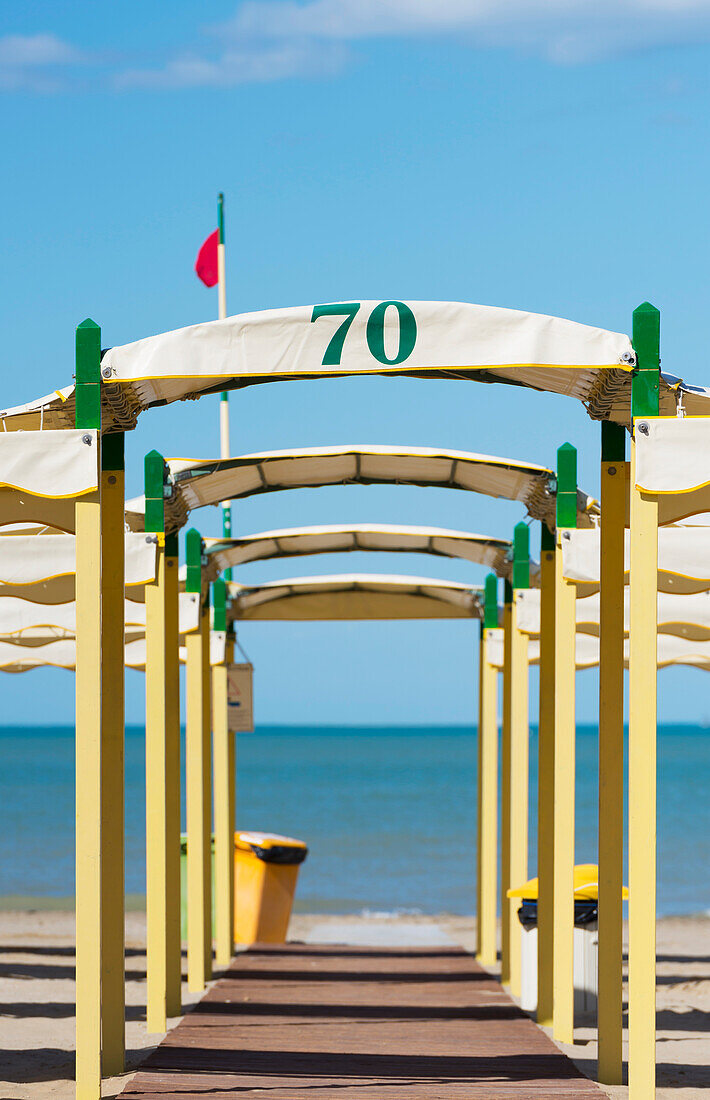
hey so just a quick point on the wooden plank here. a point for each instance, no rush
(358, 1022)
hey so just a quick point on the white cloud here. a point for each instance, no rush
(562, 30)
(234, 66)
(35, 61)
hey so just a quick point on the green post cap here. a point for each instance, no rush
(521, 556)
(193, 557)
(219, 603)
(154, 468)
(566, 485)
(88, 375)
(646, 338)
(490, 602)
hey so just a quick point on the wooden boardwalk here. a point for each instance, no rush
(309, 1021)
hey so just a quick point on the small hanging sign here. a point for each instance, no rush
(240, 698)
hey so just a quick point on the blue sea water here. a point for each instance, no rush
(389, 814)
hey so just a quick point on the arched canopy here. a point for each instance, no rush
(455, 340)
(224, 553)
(210, 481)
(351, 596)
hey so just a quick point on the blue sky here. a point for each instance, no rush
(550, 157)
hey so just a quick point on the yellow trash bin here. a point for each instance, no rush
(265, 875)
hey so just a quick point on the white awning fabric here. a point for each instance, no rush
(671, 650)
(673, 464)
(296, 541)
(199, 483)
(354, 596)
(41, 569)
(34, 624)
(683, 559)
(455, 340)
(687, 616)
(43, 473)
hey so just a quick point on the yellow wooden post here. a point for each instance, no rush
(88, 731)
(156, 755)
(112, 755)
(611, 752)
(643, 584)
(173, 943)
(519, 753)
(505, 783)
(198, 784)
(223, 824)
(487, 852)
(564, 760)
(545, 779)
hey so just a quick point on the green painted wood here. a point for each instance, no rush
(646, 339)
(172, 549)
(193, 558)
(567, 485)
(88, 375)
(613, 442)
(547, 538)
(154, 471)
(220, 216)
(507, 591)
(490, 604)
(521, 556)
(219, 602)
(113, 451)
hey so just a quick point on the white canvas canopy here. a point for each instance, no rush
(683, 559)
(673, 464)
(224, 554)
(455, 340)
(41, 569)
(42, 475)
(354, 596)
(25, 623)
(201, 482)
(687, 616)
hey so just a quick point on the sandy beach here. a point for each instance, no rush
(37, 992)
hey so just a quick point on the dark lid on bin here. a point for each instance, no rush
(272, 848)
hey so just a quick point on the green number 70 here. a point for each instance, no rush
(375, 331)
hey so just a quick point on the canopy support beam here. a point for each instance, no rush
(198, 783)
(611, 752)
(545, 782)
(113, 903)
(486, 908)
(88, 735)
(223, 782)
(564, 762)
(643, 610)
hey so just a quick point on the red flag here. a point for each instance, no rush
(206, 262)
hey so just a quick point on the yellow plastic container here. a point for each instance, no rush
(265, 875)
(586, 885)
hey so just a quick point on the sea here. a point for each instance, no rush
(388, 813)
